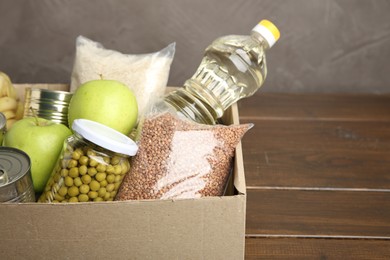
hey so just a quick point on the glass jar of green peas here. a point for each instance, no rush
(91, 166)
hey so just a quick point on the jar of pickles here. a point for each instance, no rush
(91, 166)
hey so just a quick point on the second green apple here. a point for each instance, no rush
(108, 102)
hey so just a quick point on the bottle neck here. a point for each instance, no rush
(259, 38)
(190, 107)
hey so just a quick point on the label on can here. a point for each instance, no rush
(15, 176)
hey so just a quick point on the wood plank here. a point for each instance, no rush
(303, 248)
(317, 169)
(308, 135)
(312, 106)
(318, 213)
(317, 154)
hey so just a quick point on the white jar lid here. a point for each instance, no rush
(105, 136)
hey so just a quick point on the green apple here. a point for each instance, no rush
(108, 102)
(42, 140)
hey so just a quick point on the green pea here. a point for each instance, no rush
(117, 169)
(86, 179)
(64, 172)
(73, 199)
(63, 191)
(110, 178)
(72, 163)
(83, 198)
(125, 167)
(94, 185)
(110, 169)
(106, 160)
(83, 160)
(77, 182)
(110, 187)
(117, 185)
(101, 167)
(93, 163)
(103, 183)
(106, 196)
(73, 191)
(92, 171)
(83, 169)
(76, 155)
(102, 192)
(100, 176)
(73, 172)
(93, 194)
(68, 181)
(58, 197)
(115, 160)
(118, 178)
(91, 152)
(84, 189)
(98, 199)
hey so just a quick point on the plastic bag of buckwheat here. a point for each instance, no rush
(178, 158)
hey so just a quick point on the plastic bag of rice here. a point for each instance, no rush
(145, 74)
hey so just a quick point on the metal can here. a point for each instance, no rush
(3, 127)
(15, 176)
(49, 104)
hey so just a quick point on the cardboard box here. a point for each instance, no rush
(205, 228)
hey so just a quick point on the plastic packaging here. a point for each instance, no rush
(145, 74)
(91, 166)
(179, 158)
(233, 67)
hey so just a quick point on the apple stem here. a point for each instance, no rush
(101, 76)
(34, 115)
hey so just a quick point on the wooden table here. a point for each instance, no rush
(318, 176)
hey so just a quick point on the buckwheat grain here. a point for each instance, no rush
(181, 159)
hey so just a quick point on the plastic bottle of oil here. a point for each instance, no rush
(233, 67)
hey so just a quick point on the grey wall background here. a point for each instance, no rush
(326, 45)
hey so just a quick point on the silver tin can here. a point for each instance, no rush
(15, 176)
(3, 127)
(49, 104)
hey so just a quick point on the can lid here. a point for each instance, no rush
(48, 95)
(105, 136)
(268, 30)
(14, 164)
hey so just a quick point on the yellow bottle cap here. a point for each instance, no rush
(268, 30)
(272, 28)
